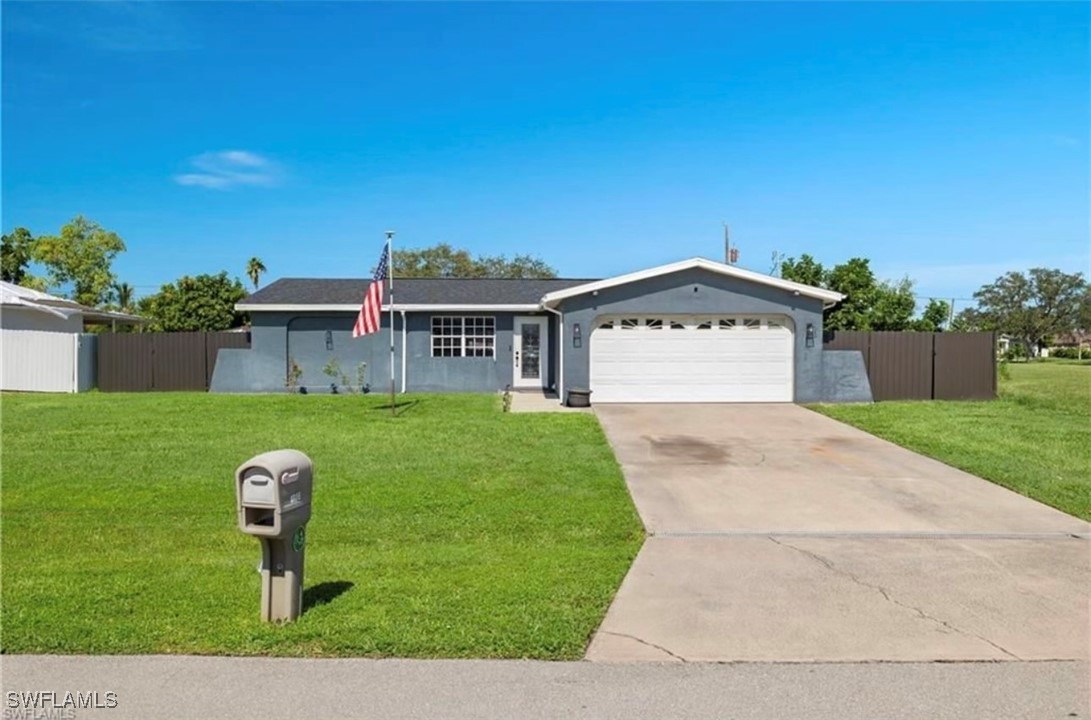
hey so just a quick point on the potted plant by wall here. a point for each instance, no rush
(332, 369)
(294, 374)
(361, 378)
(579, 397)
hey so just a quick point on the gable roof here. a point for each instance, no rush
(515, 294)
(311, 294)
(828, 297)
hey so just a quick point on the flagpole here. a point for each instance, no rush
(390, 284)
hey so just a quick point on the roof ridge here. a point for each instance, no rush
(367, 279)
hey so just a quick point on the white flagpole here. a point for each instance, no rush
(390, 284)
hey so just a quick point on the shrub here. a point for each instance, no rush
(1068, 353)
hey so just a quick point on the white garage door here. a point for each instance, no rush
(723, 358)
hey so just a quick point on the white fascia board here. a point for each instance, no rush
(829, 297)
(354, 307)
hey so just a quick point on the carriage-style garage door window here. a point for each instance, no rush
(463, 336)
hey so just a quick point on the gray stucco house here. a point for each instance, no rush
(691, 331)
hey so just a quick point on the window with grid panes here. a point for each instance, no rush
(472, 336)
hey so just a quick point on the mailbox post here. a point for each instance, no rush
(273, 498)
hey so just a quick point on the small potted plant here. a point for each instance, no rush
(332, 369)
(361, 378)
(294, 374)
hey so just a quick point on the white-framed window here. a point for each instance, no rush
(469, 336)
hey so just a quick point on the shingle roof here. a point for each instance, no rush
(411, 291)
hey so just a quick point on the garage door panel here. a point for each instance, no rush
(647, 364)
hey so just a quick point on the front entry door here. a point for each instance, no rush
(530, 352)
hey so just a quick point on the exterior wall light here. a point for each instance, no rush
(810, 335)
(577, 339)
(329, 339)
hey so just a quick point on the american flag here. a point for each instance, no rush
(368, 320)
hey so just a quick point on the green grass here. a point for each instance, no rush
(1035, 439)
(452, 531)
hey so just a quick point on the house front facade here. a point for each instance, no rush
(692, 331)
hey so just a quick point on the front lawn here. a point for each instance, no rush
(452, 531)
(1034, 439)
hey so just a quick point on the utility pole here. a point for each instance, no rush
(731, 254)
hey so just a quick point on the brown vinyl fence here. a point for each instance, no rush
(139, 362)
(924, 366)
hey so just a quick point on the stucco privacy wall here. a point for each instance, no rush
(695, 292)
(844, 377)
(276, 336)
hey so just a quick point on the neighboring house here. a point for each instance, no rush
(1074, 339)
(43, 345)
(691, 331)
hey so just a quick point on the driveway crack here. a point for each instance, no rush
(660, 648)
(889, 598)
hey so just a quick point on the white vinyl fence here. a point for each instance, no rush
(46, 361)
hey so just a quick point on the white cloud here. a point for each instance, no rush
(230, 168)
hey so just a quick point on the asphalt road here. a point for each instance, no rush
(184, 687)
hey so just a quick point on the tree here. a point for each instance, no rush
(254, 269)
(868, 304)
(806, 270)
(894, 306)
(934, 317)
(855, 280)
(204, 302)
(444, 261)
(123, 293)
(81, 255)
(969, 320)
(1034, 306)
(16, 252)
(1083, 322)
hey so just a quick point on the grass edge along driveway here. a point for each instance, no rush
(1035, 438)
(454, 530)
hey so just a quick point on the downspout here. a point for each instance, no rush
(560, 351)
(403, 350)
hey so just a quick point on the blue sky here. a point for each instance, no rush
(944, 141)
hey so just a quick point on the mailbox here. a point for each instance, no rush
(273, 501)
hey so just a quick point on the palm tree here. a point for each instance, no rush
(124, 292)
(254, 269)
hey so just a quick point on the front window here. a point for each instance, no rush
(463, 336)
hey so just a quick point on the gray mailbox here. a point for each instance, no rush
(273, 499)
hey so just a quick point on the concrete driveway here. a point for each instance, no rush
(777, 534)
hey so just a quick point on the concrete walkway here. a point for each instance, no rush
(212, 688)
(536, 401)
(778, 534)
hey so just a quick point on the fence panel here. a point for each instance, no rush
(38, 361)
(901, 365)
(178, 361)
(124, 362)
(218, 340)
(139, 362)
(965, 366)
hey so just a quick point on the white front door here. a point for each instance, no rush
(530, 352)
